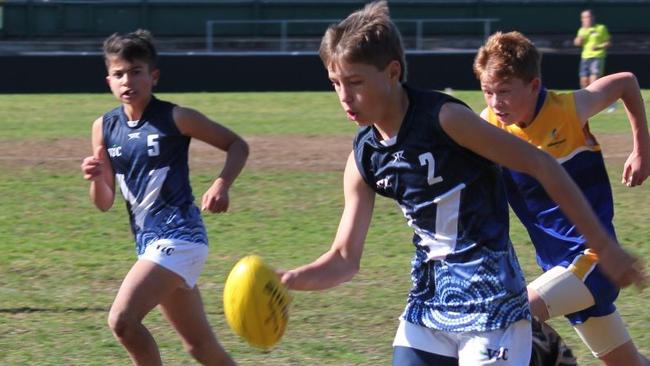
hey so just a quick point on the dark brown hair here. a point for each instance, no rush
(132, 46)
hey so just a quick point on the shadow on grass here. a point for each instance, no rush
(28, 309)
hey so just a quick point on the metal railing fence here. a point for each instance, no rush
(284, 25)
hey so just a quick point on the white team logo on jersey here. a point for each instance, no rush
(398, 156)
(385, 183)
(135, 135)
(115, 151)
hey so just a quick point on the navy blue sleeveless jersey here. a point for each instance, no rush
(149, 158)
(465, 273)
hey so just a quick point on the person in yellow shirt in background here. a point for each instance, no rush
(594, 39)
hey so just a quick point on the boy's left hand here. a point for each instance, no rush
(635, 170)
(216, 199)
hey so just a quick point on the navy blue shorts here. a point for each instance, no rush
(405, 356)
(604, 293)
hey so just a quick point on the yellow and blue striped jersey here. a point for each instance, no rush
(557, 130)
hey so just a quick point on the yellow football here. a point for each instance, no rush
(256, 303)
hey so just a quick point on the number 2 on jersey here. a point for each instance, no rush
(428, 160)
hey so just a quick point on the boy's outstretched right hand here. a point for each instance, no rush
(92, 166)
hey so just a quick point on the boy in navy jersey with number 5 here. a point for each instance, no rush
(143, 145)
(440, 162)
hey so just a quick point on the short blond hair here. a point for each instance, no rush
(508, 55)
(366, 36)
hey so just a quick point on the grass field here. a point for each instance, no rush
(62, 260)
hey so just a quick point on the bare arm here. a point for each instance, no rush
(98, 170)
(342, 261)
(196, 125)
(603, 92)
(577, 41)
(470, 131)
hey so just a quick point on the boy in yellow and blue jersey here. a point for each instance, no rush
(508, 68)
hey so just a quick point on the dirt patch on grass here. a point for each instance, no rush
(295, 152)
(300, 153)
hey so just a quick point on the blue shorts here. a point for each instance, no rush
(405, 356)
(602, 289)
(592, 67)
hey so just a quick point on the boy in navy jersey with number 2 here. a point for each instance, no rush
(143, 145)
(440, 162)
